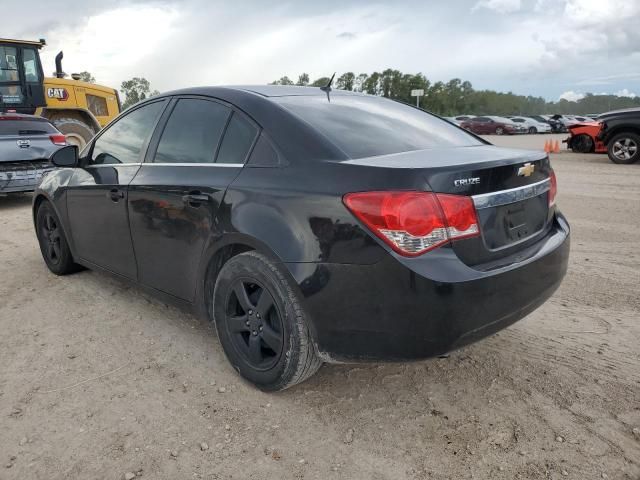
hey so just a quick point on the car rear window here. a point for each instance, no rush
(366, 126)
(25, 127)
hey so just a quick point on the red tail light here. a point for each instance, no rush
(553, 190)
(413, 223)
(58, 139)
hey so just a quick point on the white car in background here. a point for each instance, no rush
(532, 126)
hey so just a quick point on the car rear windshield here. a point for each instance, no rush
(25, 127)
(367, 126)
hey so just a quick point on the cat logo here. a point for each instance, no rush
(58, 93)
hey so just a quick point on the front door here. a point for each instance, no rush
(97, 193)
(174, 198)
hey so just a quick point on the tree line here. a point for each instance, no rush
(459, 97)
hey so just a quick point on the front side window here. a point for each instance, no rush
(364, 126)
(8, 64)
(30, 62)
(237, 141)
(193, 132)
(122, 142)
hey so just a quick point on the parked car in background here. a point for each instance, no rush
(556, 125)
(26, 144)
(532, 126)
(617, 133)
(459, 119)
(309, 230)
(491, 125)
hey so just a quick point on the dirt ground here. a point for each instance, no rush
(99, 381)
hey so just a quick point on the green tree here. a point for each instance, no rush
(282, 81)
(303, 80)
(346, 81)
(136, 90)
(320, 82)
(87, 77)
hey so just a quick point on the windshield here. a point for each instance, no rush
(366, 126)
(20, 126)
(9, 94)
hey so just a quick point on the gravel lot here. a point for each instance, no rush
(97, 380)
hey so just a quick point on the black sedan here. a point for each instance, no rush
(310, 225)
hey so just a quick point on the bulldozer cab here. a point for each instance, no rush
(21, 76)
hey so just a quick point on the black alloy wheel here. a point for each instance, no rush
(53, 243)
(254, 323)
(262, 326)
(50, 233)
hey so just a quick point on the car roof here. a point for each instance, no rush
(21, 116)
(262, 90)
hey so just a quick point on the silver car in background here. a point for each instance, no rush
(26, 144)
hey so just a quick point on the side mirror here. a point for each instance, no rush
(65, 157)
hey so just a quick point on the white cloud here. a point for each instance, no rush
(500, 6)
(111, 43)
(625, 93)
(571, 96)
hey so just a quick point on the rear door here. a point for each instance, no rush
(97, 192)
(195, 154)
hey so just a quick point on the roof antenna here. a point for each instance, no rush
(327, 87)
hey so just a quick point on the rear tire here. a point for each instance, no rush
(533, 130)
(499, 131)
(77, 133)
(624, 148)
(53, 243)
(261, 324)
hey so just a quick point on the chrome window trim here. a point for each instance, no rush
(178, 164)
(512, 195)
(150, 164)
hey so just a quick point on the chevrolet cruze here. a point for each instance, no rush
(309, 225)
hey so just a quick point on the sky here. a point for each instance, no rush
(547, 48)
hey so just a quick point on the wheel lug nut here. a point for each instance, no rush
(257, 315)
(255, 333)
(260, 328)
(250, 312)
(247, 323)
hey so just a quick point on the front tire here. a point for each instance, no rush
(261, 324)
(582, 144)
(499, 131)
(53, 243)
(533, 130)
(623, 148)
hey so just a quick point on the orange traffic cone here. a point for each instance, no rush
(556, 147)
(547, 146)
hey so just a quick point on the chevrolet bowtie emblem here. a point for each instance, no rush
(526, 170)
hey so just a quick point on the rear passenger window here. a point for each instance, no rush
(193, 132)
(237, 141)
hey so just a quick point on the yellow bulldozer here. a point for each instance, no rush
(78, 109)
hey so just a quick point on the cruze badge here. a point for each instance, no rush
(463, 182)
(526, 170)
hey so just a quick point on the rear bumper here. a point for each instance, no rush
(401, 309)
(22, 176)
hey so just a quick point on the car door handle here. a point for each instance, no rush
(115, 194)
(195, 199)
